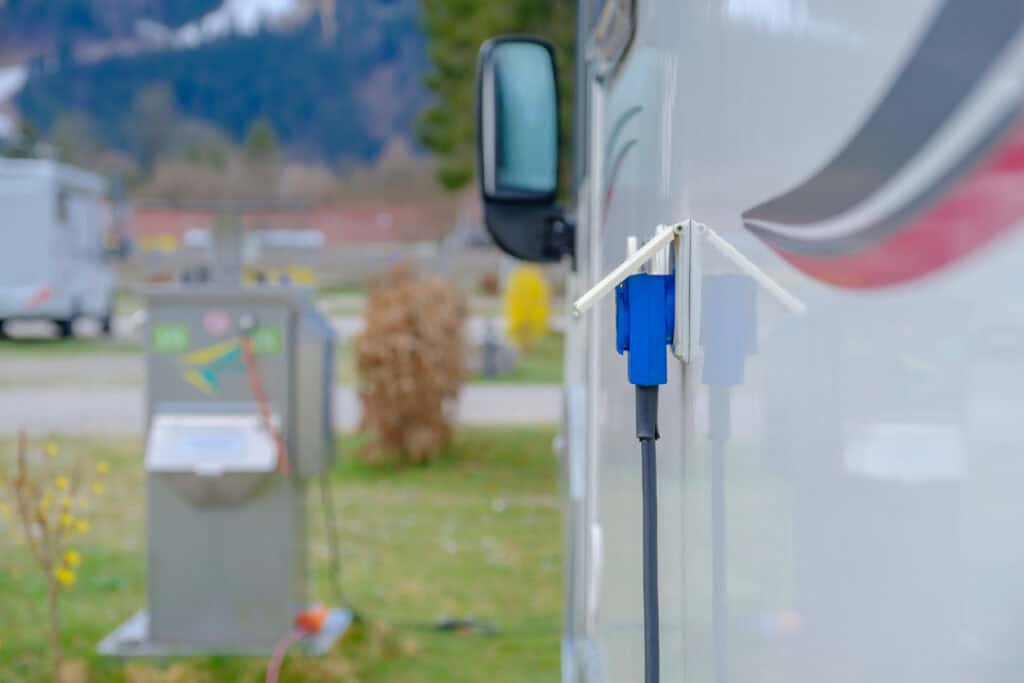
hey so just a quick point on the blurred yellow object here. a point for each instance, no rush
(72, 558)
(302, 275)
(64, 576)
(166, 243)
(299, 275)
(527, 307)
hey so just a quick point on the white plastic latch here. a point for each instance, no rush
(633, 263)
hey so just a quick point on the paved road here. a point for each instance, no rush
(117, 410)
(127, 327)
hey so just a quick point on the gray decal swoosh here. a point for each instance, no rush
(964, 40)
(872, 233)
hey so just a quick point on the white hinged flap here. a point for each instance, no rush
(209, 445)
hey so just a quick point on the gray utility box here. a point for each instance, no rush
(227, 541)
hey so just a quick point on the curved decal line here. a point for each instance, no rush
(617, 128)
(964, 40)
(986, 204)
(613, 177)
(870, 234)
(973, 202)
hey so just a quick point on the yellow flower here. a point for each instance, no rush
(64, 576)
(82, 526)
(103, 467)
(62, 483)
(98, 489)
(72, 558)
(67, 520)
(52, 450)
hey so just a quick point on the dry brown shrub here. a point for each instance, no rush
(411, 364)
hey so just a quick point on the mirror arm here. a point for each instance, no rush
(561, 237)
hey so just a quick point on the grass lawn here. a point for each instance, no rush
(67, 347)
(476, 534)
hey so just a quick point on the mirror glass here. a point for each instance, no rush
(519, 108)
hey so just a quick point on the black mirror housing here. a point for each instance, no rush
(518, 148)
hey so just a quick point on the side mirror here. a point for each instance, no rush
(517, 129)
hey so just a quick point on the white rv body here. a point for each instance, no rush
(54, 260)
(840, 493)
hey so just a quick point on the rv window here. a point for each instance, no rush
(612, 26)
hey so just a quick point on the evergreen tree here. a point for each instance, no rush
(150, 126)
(456, 29)
(261, 146)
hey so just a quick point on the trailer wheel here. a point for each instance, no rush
(65, 328)
(107, 324)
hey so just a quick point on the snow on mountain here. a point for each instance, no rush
(12, 79)
(235, 16)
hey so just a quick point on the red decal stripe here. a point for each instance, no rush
(987, 203)
(40, 297)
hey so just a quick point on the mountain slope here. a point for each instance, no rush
(335, 87)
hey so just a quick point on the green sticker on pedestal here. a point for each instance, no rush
(266, 340)
(170, 338)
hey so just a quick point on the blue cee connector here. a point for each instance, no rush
(645, 314)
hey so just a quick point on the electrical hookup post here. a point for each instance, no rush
(239, 426)
(660, 306)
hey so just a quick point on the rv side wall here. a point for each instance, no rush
(53, 265)
(29, 259)
(839, 493)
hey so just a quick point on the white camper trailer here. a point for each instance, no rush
(839, 470)
(55, 260)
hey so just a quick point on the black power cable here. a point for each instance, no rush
(647, 433)
(644, 326)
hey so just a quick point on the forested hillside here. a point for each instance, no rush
(335, 88)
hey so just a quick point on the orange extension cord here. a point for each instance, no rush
(252, 370)
(307, 623)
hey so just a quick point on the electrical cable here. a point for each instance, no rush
(255, 378)
(252, 371)
(327, 501)
(647, 433)
(307, 623)
(280, 651)
(333, 544)
(310, 621)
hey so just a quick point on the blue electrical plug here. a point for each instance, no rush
(645, 315)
